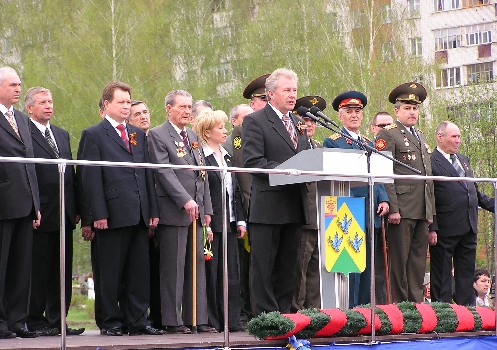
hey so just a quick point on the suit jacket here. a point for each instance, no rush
(456, 203)
(216, 195)
(175, 187)
(18, 184)
(412, 199)
(379, 193)
(48, 180)
(312, 188)
(244, 179)
(122, 195)
(267, 144)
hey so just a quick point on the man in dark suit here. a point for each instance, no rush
(123, 204)
(19, 212)
(453, 233)
(184, 201)
(273, 135)
(50, 142)
(412, 203)
(349, 106)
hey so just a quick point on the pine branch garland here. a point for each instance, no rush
(477, 317)
(446, 317)
(412, 317)
(318, 321)
(355, 322)
(269, 324)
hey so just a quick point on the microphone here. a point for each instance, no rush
(304, 113)
(316, 111)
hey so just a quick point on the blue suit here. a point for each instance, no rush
(358, 294)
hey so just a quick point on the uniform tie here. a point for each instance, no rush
(51, 143)
(124, 137)
(10, 118)
(414, 133)
(185, 140)
(291, 130)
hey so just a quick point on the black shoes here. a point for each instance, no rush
(149, 330)
(46, 332)
(205, 329)
(74, 331)
(24, 333)
(178, 330)
(115, 331)
(6, 334)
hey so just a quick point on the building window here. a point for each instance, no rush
(447, 38)
(479, 34)
(416, 46)
(447, 5)
(449, 77)
(480, 73)
(413, 6)
(386, 14)
(474, 3)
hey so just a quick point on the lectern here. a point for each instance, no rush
(342, 168)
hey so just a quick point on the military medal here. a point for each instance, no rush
(413, 157)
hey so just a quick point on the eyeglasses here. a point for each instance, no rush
(381, 125)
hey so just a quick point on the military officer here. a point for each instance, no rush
(307, 291)
(349, 106)
(412, 203)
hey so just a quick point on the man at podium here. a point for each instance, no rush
(349, 106)
(272, 135)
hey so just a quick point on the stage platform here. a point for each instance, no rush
(91, 340)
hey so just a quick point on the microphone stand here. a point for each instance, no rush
(368, 151)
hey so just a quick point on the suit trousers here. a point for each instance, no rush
(123, 262)
(176, 282)
(155, 306)
(244, 259)
(44, 304)
(16, 242)
(461, 251)
(273, 268)
(215, 288)
(408, 245)
(307, 293)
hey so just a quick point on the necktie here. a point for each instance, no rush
(51, 143)
(456, 166)
(291, 131)
(124, 137)
(414, 133)
(185, 139)
(10, 118)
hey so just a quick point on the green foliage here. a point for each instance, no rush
(318, 321)
(355, 322)
(477, 317)
(269, 324)
(386, 325)
(447, 321)
(412, 317)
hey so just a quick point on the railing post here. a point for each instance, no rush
(62, 247)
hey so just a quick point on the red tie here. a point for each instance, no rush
(185, 140)
(291, 130)
(124, 137)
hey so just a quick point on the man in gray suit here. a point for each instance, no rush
(19, 212)
(184, 201)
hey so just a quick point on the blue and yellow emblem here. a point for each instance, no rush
(344, 219)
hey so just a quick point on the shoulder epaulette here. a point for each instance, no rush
(419, 131)
(390, 127)
(335, 136)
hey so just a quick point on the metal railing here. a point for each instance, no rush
(63, 163)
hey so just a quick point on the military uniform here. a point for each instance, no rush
(413, 199)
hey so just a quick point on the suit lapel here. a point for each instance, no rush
(446, 165)
(210, 160)
(40, 139)
(61, 143)
(109, 129)
(412, 139)
(5, 124)
(177, 140)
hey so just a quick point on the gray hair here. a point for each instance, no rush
(171, 97)
(272, 80)
(442, 127)
(200, 103)
(29, 100)
(4, 71)
(234, 110)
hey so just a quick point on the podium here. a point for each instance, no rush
(348, 163)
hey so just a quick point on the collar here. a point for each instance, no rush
(446, 155)
(4, 109)
(178, 130)
(113, 122)
(352, 134)
(42, 127)
(408, 128)
(277, 111)
(208, 150)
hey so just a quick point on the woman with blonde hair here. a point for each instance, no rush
(210, 128)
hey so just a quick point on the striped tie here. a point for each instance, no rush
(291, 130)
(51, 143)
